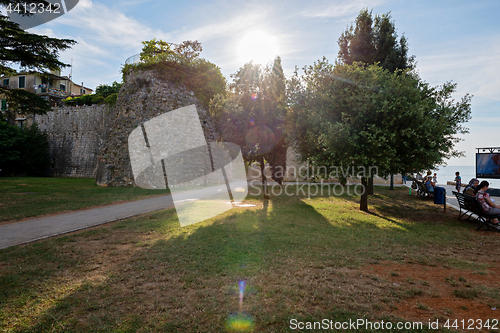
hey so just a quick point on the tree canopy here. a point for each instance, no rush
(30, 52)
(252, 115)
(106, 90)
(364, 116)
(181, 64)
(371, 111)
(374, 40)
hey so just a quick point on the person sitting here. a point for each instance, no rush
(430, 185)
(471, 188)
(487, 204)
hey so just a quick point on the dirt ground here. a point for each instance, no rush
(438, 286)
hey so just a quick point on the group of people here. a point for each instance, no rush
(429, 181)
(474, 188)
(478, 189)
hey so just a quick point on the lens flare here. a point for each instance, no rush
(240, 322)
(254, 97)
(242, 292)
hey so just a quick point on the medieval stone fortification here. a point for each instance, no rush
(92, 141)
(76, 136)
(142, 97)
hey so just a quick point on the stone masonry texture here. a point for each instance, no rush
(76, 136)
(142, 97)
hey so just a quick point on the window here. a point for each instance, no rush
(4, 105)
(5, 82)
(22, 82)
(62, 87)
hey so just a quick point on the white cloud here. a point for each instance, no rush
(472, 63)
(339, 9)
(234, 25)
(107, 26)
(44, 31)
(106, 38)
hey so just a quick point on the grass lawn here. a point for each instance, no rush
(300, 258)
(27, 197)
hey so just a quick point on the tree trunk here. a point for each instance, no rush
(363, 203)
(264, 178)
(370, 185)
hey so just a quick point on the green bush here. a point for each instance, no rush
(104, 95)
(111, 99)
(198, 75)
(23, 151)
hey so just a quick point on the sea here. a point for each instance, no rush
(447, 173)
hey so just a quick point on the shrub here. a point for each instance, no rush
(183, 67)
(23, 151)
(111, 99)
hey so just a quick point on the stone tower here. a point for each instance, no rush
(142, 97)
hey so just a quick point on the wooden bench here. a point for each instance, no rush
(471, 205)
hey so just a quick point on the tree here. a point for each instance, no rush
(252, 115)
(374, 41)
(105, 90)
(364, 116)
(155, 50)
(30, 52)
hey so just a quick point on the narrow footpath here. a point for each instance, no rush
(23, 232)
(39, 228)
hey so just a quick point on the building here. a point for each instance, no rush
(52, 87)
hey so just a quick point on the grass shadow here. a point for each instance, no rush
(299, 257)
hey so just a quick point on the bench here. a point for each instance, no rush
(467, 204)
(470, 205)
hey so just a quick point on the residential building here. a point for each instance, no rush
(52, 87)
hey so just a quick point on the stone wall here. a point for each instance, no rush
(142, 97)
(76, 137)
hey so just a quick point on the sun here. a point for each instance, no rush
(257, 46)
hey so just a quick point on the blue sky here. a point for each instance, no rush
(455, 41)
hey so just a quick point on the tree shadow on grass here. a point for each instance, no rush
(186, 279)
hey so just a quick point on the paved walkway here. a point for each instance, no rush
(39, 228)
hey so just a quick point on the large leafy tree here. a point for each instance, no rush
(374, 40)
(30, 52)
(363, 115)
(252, 115)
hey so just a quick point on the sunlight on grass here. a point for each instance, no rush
(299, 258)
(22, 197)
